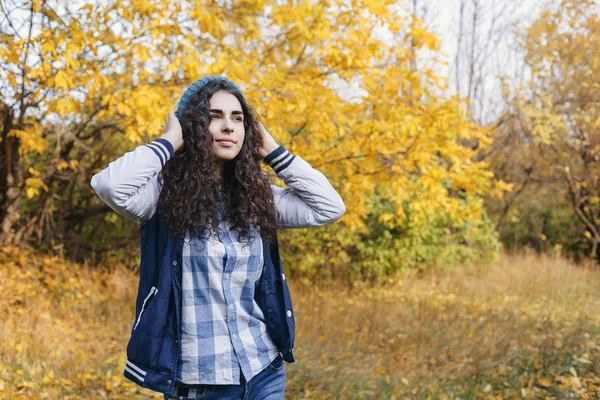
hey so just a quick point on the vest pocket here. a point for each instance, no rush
(153, 292)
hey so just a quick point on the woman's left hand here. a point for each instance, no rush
(268, 143)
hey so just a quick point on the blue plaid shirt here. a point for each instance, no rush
(223, 329)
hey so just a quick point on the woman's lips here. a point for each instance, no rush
(226, 143)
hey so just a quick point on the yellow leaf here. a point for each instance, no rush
(33, 186)
(33, 171)
(31, 192)
(545, 381)
(63, 81)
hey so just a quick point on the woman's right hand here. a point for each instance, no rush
(172, 130)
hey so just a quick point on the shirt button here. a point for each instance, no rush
(226, 276)
(231, 307)
(175, 262)
(235, 336)
(289, 313)
(169, 381)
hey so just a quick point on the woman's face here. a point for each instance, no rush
(226, 125)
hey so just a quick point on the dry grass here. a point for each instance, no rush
(525, 328)
(528, 327)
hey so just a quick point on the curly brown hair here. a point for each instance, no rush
(195, 194)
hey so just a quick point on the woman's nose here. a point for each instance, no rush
(227, 125)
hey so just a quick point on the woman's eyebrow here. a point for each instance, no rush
(216, 111)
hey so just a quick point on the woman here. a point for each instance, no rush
(214, 316)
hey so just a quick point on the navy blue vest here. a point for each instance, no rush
(153, 346)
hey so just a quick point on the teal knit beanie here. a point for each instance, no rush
(196, 86)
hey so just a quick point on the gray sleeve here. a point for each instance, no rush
(129, 185)
(309, 199)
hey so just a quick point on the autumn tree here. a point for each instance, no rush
(331, 80)
(552, 127)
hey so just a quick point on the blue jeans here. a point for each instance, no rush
(269, 384)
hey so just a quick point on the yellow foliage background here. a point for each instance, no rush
(407, 296)
(93, 80)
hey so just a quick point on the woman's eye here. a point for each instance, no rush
(240, 119)
(215, 116)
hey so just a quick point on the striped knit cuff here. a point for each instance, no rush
(163, 149)
(279, 159)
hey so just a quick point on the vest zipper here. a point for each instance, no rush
(153, 291)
